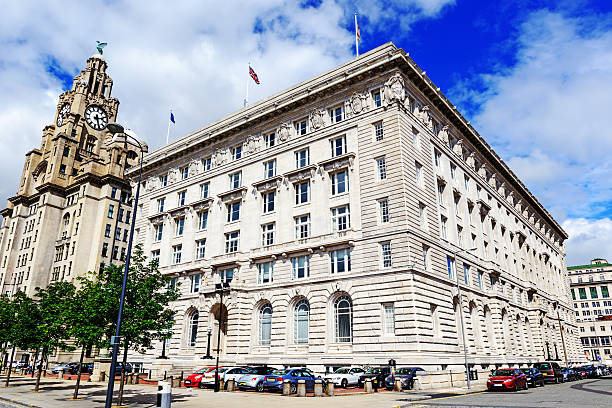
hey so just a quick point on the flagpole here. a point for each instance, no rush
(356, 38)
(246, 98)
(168, 134)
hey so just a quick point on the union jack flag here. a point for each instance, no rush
(253, 75)
(358, 31)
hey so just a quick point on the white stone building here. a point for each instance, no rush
(336, 209)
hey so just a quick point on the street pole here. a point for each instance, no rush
(116, 128)
(460, 305)
(562, 338)
(219, 340)
(208, 344)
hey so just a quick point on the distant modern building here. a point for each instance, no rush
(341, 212)
(590, 286)
(71, 211)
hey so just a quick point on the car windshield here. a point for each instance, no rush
(342, 371)
(374, 370)
(202, 370)
(503, 373)
(279, 372)
(222, 369)
(261, 370)
(526, 370)
(404, 370)
(542, 366)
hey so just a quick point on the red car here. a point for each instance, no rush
(507, 379)
(195, 379)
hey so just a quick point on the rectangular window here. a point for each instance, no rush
(107, 231)
(466, 183)
(418, 175)
(340, 260)
(236, 152)
(376, 99)
(340, 182)
(604, 292)
(200, 248)
(269, 169)
(582, 293)
(270, 139)
(160, 204)
(416, 139)
(450, 267)
(176, 254)
(204, 190)
(302, 158)
(300, 267)
(593, 291)
(118, 233)
(385, 249)
(114, 191)
(202, 220)
(336, 114)
(378, 132)
(163, 180)
(338, 146)
(302, 226)
(441, 194)
(120, 216)
(459, 236)
(233, 211)
(437, 158)
(268, 201)
(383, 210)
(443, 227)
(181, 198)
(466, 274)
(381, 167)
(155, 255)
(389, 319)
(207, 163)
(453, 169)
(422, 216)
(265, 272)
(194, 286)
(227, 275)
(232, 241)
(184, 172)
(179, 224)
(301, 127)
(341, 218)
(425, 257)
(159, 230)
(267, 234)
(235, 180)
(302, 192)
(479, 280)
(111, 210)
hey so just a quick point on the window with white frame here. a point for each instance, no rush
(459, 236)
(233, 211)
(302, 226)
(235, 180)
(236, 152)
(389, 319)
(376, 98)
(416, 139)
(301, 314)
(184, 172)
(437, 158)
(453, 170)
(194, 286)
(265, 272)
(181, 198)
(226, 275)
(456, 201)
(163, 180)
(204, 190)
(300, 267)
(160, 204)
(385, 252)
(269, 168)
(340, 260)
(202, 220)
(450, 267)
(466, 183)
(378, 132)
(268, 201)
(466, 274)
(443, 233)
(302, 192)
(179, 226)
(480, 280)
(383, 210)
(418, 174)
(270, 139)
(200, 248)
(192, 334)
(155, 255)
(341, 218)
(381, 168)
(176, 254)
(265, 325)
(302, 158)
(343, 319)
(301, 127)
(267, 234)
(336, 114)
(232, 241)
(441, 194)
(158, 232)
(340, 182)
(422, 216)
(338, 146)
(425, 257)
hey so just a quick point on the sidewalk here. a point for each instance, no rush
(58, 393)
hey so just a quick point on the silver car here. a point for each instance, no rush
(254, 378)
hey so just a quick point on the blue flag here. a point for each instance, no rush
(172, 118)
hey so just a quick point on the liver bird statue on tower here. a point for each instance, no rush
(101, 46)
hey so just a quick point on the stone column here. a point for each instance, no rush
(367, 387)
(329, 388)
(318, 388)
(301, 388)
(287, 387)
(230, 385)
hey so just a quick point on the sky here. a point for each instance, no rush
(533, 77)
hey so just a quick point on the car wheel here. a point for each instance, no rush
(293, 388)
(410, 385)
(515, 387)
(259, 387)
(225, 386)
(344, 383)
(200, 385)
(556, 380)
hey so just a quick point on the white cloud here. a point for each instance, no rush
(186, 54)
(588, 239)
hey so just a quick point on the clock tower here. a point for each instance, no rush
(72, 209)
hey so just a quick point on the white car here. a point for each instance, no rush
(345, 376)
(234, 373)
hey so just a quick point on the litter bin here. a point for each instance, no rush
(164, 394)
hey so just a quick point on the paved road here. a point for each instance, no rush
(593, 393)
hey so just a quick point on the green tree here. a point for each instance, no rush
(7, 321)
(24, 329)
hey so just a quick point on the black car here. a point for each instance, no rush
(406, 376)
(376, 374)
(119, 368)
(534, 377)
(550, 370)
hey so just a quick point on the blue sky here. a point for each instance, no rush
(533, 77)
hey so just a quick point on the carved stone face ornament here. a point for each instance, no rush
(284, 132)
(317, 119)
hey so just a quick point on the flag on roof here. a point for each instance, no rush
(253, 75)
(172, 117)
(358, 31)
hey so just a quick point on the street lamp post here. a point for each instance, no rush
(208, 344)
(547, 351)
(219, 286)
(460, 305)
(116, 128)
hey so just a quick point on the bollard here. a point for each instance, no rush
(130, 379)
(398, 385)
(230, 385)
(171, 381)
(150, 374)
(301, 388)
(329, 387)
(103, 376)
(137, 379)
(318, 388)
(375, 384)
(287, 387)
(164, 394)
(367, 387)
(60, 374)
(221, 384)
(44, 373)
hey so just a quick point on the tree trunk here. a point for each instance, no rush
(10, 367)
(35, 361)
(78, 381)
(42, 359)
(124, 364)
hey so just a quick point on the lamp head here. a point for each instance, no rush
(115, 127)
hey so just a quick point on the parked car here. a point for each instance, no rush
(507, 378)
(568, 374)
(581, 373)
(345, 376)
(254, 378)
(119, 368)
(534, 377)
(274, 381)
(234, 373)
(65, 367)
(195, 379)
(376, 374)
(550, 370)
(406, 376)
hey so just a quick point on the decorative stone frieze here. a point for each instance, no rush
(220, 157)
(284, 132)
(233, 195)
(202, 204)
(178, 211)
(336, 163)
(317, 119)
(272, 183)
(253, 144)
(443, 134)
(293, 176)
(356, 104)
(394, 90)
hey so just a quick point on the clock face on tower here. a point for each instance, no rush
(96, 117)
(63, 114)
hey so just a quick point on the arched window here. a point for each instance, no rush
(193, 329)
(301, 316)
(265, 324)
(343, 310)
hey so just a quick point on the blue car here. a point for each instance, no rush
(275, 380)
